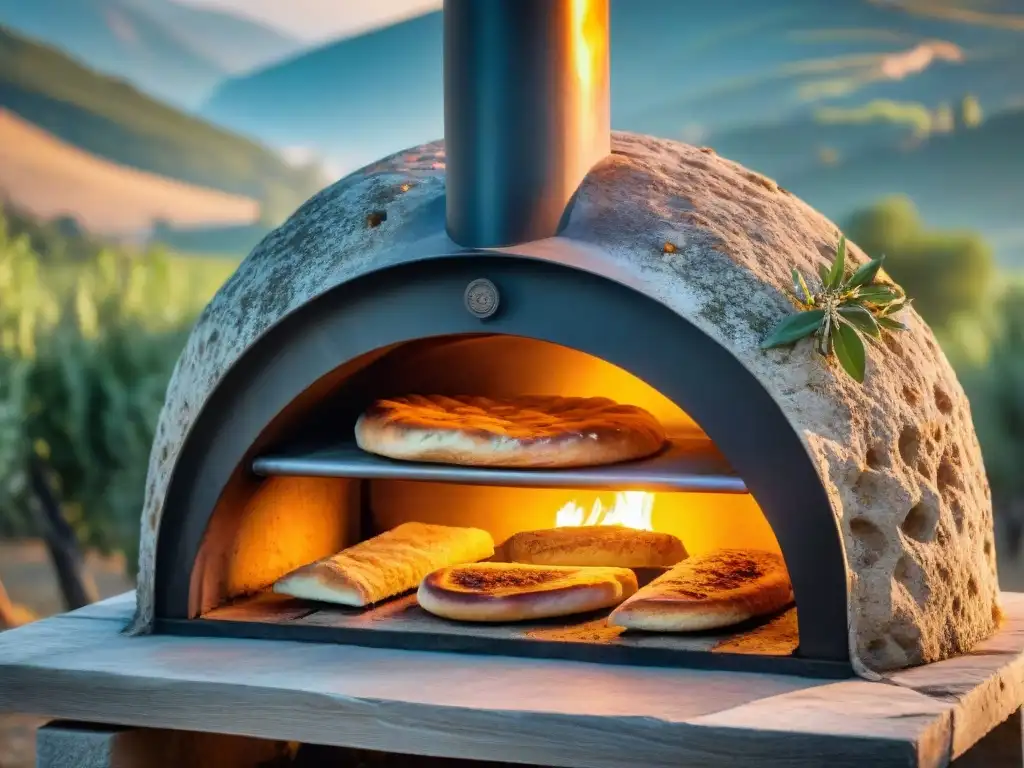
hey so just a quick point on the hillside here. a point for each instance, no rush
(675, 72)
(174, 52)
(958, 175)
(968, 179)
(355, 100)
(235, 44)
(48, 178)
(113, 120)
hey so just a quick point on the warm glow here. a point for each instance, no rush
(582, 47)
(507, 366)
(588, 44)
(631, 509)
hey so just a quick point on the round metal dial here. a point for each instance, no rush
(481, 298)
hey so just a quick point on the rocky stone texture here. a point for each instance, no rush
(898, 455)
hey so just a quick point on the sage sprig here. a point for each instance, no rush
(848, 306)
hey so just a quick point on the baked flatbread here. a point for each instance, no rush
(709, 591)
(534, 431)
(386, 565)
(594, 545)
(497, 592)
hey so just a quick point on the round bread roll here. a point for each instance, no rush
(501, 592)
(594, 545)
(534, 431)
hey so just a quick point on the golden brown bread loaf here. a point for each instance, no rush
(532, 431)
(594, 545)
(386, 565)
(497, 592)
(708, 591)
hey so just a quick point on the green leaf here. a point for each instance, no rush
(880, 294)
(802, 291)
(823, 274)
(824, 342)
(866, 273)
(896, 306)
(861, 319)
(890, 324)
(838, 272)
(794, 328)
(849, 348)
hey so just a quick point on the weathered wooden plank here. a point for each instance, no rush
(439, 679)
(119, 607)
(48, 638)
(551, 738)
(853, 709)
(517, 710)
(551, 713)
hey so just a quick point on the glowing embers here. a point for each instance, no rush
(631, 509)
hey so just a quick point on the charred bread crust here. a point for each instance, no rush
(529, 431)
(709, 591)
(497, 592)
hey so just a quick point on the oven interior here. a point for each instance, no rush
(312, 494)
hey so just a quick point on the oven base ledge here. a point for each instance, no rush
(592, 653)
(80, 666)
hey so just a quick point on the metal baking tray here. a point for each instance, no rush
(686, 464)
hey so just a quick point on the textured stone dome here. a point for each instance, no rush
(897, 455)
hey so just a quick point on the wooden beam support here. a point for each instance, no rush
(1003, 747)
(78, 745)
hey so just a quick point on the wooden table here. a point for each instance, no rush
(78, 666)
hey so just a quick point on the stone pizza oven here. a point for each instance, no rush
(528, 254)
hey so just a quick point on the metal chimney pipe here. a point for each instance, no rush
(526, 113)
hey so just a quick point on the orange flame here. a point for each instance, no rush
(588, 51)
(582, 49)
(632, 509)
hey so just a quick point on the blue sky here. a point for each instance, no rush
(322, 19)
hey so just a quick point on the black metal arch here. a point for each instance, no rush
(543, 300)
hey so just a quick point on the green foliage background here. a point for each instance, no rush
(996, 390)
(976, 312)
(86, 351)
(947, 273)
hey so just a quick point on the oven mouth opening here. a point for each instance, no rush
(311, 492)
